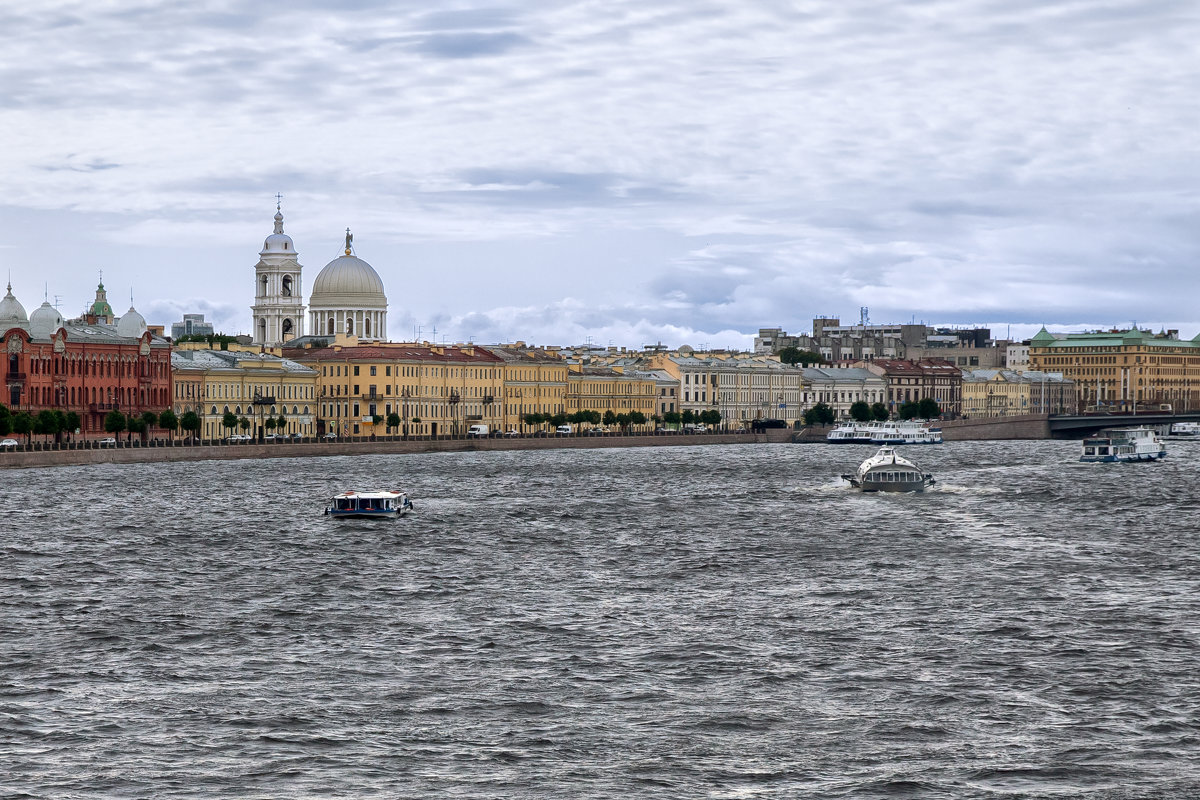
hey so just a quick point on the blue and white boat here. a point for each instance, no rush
(369, 505)
(1123, 444)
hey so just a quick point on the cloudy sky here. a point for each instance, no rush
(682, 171)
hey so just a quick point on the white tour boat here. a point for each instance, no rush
(906, 431)
(887, 471)
(1185, 429)
(366, 505)
(1124, 444)
(851, 433)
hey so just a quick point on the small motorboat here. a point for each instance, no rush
(366, 505)
(887, 471)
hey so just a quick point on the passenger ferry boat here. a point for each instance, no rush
(1123, 444)
(910, 431)
(851, 433)
(1185, 429)
(367, 505)
(887, 471)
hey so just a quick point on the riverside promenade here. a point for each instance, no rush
(232, 452)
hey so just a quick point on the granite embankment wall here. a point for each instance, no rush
(1028, 426)
(123, 455)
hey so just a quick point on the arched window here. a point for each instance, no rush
(287, 329)
(264, 284)
(287, 284)
(367, 327)
(349, 327)
(331, 326)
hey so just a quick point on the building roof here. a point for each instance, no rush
(402, 352)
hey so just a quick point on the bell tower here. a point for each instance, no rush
(278, 292)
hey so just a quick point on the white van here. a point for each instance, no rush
(477, 430)
(564, 430)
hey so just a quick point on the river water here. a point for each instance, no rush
(724, 622)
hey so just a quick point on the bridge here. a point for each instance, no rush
(1065, 426)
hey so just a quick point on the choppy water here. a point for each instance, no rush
(723, 622)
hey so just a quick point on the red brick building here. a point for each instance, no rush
(90, 366)
(915, 380)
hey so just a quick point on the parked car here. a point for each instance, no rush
(564, 430)
(8, 443)
(476, 431)
(297, 436)
(599, 430)
(511, 432)
(108, 442)
(661, 429)
(238, 437)
(695, 428)
(330, 435)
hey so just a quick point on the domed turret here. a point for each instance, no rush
(44, 321)
(278, 242)
(12, 313)
(132, 324)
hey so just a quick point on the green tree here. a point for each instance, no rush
(6, 421)
(281, 421)
(22, 425)
(114, 422)
(794, 355)
(137, 425)
(269, 423)
(610, 418)
(393, 421)
(820, 414)
(72, 422)
(637, 418)
(533, 419)
(688, 417)
(910, 409)
(711, 417)
(860, 411)
(880, 412)
(229, 421)
(244, 424)
(558, 419)
(150, 418)
(190, 422)
(928, 408)
(46, 423)
(168, 422)
(671, 417)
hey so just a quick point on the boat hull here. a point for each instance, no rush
(1123, 458)
(365, 514)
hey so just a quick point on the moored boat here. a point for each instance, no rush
(1123, 444)
(888, 471)
(906, 431)
(851, 433)
(1185, 429)
(370, 504)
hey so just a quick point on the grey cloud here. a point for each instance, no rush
(471, 45)
(467, 19)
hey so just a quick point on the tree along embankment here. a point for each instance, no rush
(221, 451)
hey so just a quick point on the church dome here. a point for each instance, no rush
(132, 324)
(348, 282)
(44, 321)
(12, 313)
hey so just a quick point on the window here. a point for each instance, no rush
(372, 370)
(356, 370)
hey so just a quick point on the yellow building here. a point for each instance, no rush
(433, 390)
(249, 384)
(604, 389)
(1006, 393)
(1118, 369)
(535, 382)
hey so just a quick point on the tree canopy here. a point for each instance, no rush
(794, 355)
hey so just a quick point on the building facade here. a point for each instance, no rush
(90, 366)
(913, 381)
(1006, 393)
(840, 388)
(348, 299)
(604, 389)
(535, 382)
(1123, 370)
(247, 383)
(434, 390)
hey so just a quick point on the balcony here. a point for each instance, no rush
(94, 407)
(16, 377)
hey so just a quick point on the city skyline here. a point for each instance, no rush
(679, 172)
